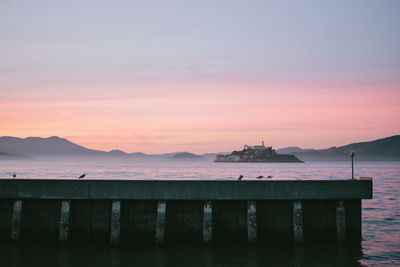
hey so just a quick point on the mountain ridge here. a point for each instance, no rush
(387, 148)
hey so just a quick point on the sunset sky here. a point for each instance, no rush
(200, 76)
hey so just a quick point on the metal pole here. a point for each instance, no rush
(352, 164)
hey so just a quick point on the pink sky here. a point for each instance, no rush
(204, 115)
(200, 76)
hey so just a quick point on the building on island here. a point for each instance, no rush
(246, 147)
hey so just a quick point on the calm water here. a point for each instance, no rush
(381, 216)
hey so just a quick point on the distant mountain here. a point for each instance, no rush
(8, 156)
(52, 146)
(386, 149)
(292, 150)
(185, 156)
(32, 147)
(37, 147)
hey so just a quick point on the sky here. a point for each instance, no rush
(200, 76)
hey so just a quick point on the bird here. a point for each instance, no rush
(240, 177)
(269, 177)
(14, 175)
(81, 177)
(260, 177)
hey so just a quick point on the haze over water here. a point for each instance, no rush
(380, 215)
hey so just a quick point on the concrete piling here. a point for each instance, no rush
(160, 221)
(251, 221)
(340, 222)
(115, 222)
(297, 222)
(207, 222)
(201, 211)
(64, 221)
(16, 220)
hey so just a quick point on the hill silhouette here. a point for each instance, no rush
(186, 156)
(378, 150)
(385, 149)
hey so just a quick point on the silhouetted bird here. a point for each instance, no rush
(240, 177)
(260, 177)
(14, 175)
(269, 177)
(81, 177)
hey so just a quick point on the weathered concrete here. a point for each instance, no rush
(64, 221)
(90, 220)
(207, 222)
(40, 220)
(183, 222)
(160, 223)
(298, 222)
(251, 221)
(262, 211)
(138, 221)
(16, 220)
(319, 221)
(115, 222)
(185, 190)
(229, 221)
(340, 222)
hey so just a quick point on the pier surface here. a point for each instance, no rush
(129, 211)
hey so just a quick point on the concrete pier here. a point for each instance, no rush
(160, 223)
(167, 212)
(64, 221)
(207, 222)
(340, 222)
(251, 221)
(16, 220)
(115, 222)
(298, 222)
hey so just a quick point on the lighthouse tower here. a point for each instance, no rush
(262, 144)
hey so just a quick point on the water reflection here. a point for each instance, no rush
(94, 255)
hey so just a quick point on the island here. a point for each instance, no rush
(257, 154)
(186, 156)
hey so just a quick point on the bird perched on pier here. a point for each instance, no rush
(240, 177)
(269, 177)
(81, 177)
(260, 177)
(14, 175)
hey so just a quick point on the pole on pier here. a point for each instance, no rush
(115, 222)
(298, 222)
(352, 164)
(207, 222)
(64, 221)
(160, 221)
(340, 222)
(16, 220)
(251, 221)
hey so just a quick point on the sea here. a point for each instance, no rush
(380, 244)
